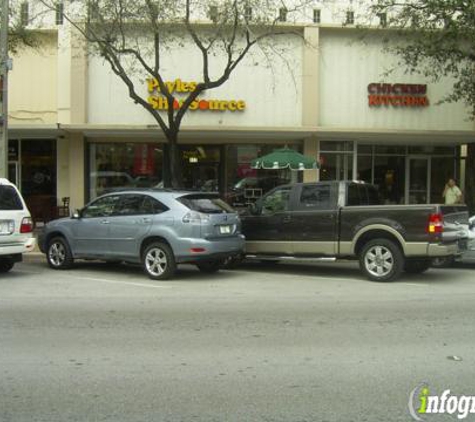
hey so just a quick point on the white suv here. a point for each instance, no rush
(16, 226)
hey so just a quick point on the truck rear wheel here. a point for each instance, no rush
(381, 260)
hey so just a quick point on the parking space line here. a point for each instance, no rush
(105, 280)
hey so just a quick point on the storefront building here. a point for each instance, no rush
(324, 95)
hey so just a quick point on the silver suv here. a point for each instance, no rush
(156, 228)
(16, 226)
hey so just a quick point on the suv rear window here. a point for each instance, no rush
(9, 199)
(205, 204)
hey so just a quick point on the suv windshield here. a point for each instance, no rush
(205, 204)
(9, 199)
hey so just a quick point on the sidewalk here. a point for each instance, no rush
(35, 255)
(36, 232)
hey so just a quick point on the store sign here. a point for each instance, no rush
(397, 95)
(159, 102)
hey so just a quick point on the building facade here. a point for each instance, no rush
(329, 93)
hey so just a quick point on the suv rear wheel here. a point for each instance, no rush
(58, 254)
(159, 261)
(381, 260)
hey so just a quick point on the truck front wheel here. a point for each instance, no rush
(381, 260)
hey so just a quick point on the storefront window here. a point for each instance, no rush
(442, 169)
(340, 146)
(389, 176)
(432, 150)
(336, 160)
(38, 166)
(365, 168)
(119, 165)
(38, 177)
(389, 150)
(201, 167)
(245, 185)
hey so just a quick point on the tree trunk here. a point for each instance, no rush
(174, 178)
(469, 194)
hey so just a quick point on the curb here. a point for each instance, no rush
(34, 257)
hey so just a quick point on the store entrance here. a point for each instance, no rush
(418, 181)
(201, 167)
(38, 177)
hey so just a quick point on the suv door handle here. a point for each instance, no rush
(286, 219)
(105, 222)
(146, 220)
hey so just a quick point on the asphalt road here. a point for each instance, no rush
(261, 343)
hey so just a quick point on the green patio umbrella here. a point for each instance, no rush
(285, 158)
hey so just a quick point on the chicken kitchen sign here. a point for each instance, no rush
(397, 95)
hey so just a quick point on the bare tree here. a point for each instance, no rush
(138, 34)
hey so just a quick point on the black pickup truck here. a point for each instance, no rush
(346, 220)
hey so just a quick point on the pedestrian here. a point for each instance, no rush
(452, 193)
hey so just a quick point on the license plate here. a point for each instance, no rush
(6, 227)
(225, 229)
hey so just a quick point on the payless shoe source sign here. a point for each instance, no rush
(159, 102)
(423, 403)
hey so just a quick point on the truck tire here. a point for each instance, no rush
(416, 266)
(381, 260)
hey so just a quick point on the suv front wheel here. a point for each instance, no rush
(159, 261)
(58, 254)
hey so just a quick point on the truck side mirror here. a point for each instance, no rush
(256, 208)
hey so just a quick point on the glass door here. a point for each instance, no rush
(13, 172)
(417, 180)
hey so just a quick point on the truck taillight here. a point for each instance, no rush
(436, 223)
(26, 225)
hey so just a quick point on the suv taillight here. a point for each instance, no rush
(195, 217)
(436, 223)
(26, 225)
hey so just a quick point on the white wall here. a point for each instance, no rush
(348, 65)
(32, 84)
(271, 88)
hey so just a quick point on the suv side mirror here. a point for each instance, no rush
(76, 215)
